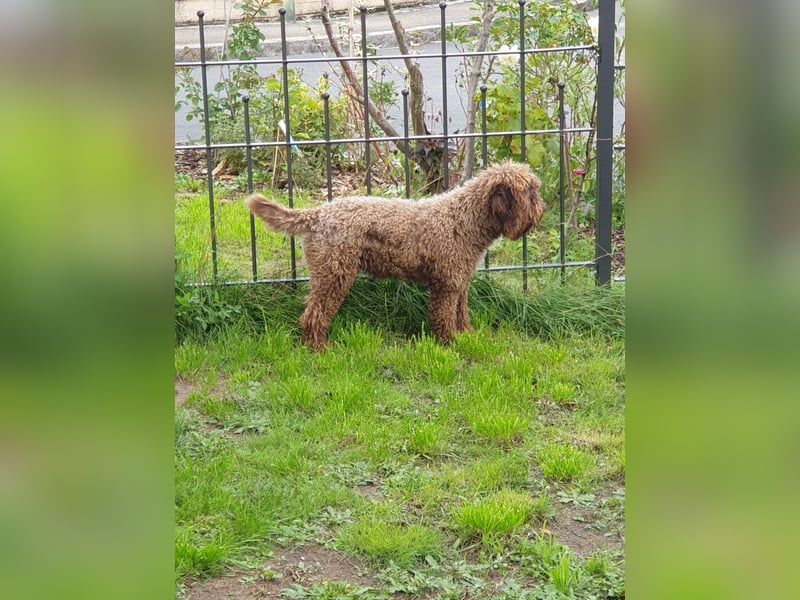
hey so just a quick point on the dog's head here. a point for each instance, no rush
(514, 202)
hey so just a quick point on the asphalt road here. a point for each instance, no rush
(188, 131)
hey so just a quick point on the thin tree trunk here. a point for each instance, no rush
(476, 63)
(415, 82)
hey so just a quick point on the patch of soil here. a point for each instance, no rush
(617, 247)
(307, 564)
(371, 491)
(343, 183)
(182, 390)
(191, 162)
(184, 387)
(572, 527)
(576, 535)
(618, 251)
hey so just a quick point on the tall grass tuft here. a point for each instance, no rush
(500, 513)
(382, 541)
(552, 311)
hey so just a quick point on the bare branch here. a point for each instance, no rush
(476, 63)
(352, 80)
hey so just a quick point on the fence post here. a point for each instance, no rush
(288, 135)
(365, 84)
(523, 127)
(249, 154)
(562, 168)
(484, 158)
(326, 99)
(445, 139)
(406, 141)
(605, 128)
(207, 131)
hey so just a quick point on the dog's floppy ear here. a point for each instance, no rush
(501, 202)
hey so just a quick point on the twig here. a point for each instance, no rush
(358, 90)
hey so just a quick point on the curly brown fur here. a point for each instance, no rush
(436, 241)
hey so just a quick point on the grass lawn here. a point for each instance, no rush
(391, 466)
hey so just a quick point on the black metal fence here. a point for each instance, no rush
(604, 51)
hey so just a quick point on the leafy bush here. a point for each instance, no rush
(266, 100)
(547, 25)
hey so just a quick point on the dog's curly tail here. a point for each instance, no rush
(278, 217)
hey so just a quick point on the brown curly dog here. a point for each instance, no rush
(437, 241)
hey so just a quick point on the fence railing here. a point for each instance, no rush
(604, 54)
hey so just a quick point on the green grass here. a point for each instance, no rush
(500, 513)
(232, 226)
(451, 470)
(563, 462)
(383, 542)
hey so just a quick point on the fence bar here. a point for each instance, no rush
(407, 142)
(365, 84)
(398, 57)
(605, 124)
(288, 136)
(484, 158)
(326, 97)
(563, 163)
(523, 268)
(249, 154)
(207, 129)
(523, 153)
(389, 138)
(541, 266)
(445, 141)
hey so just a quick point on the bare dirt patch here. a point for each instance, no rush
(585, 529)
(182, 390)
(618, 251)
(191, 162)
(575, 534)
(307, 564)
(371, 491)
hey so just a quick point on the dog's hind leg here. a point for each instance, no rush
(462, 313)
(326, 292)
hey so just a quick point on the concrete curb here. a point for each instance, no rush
(306, 36)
